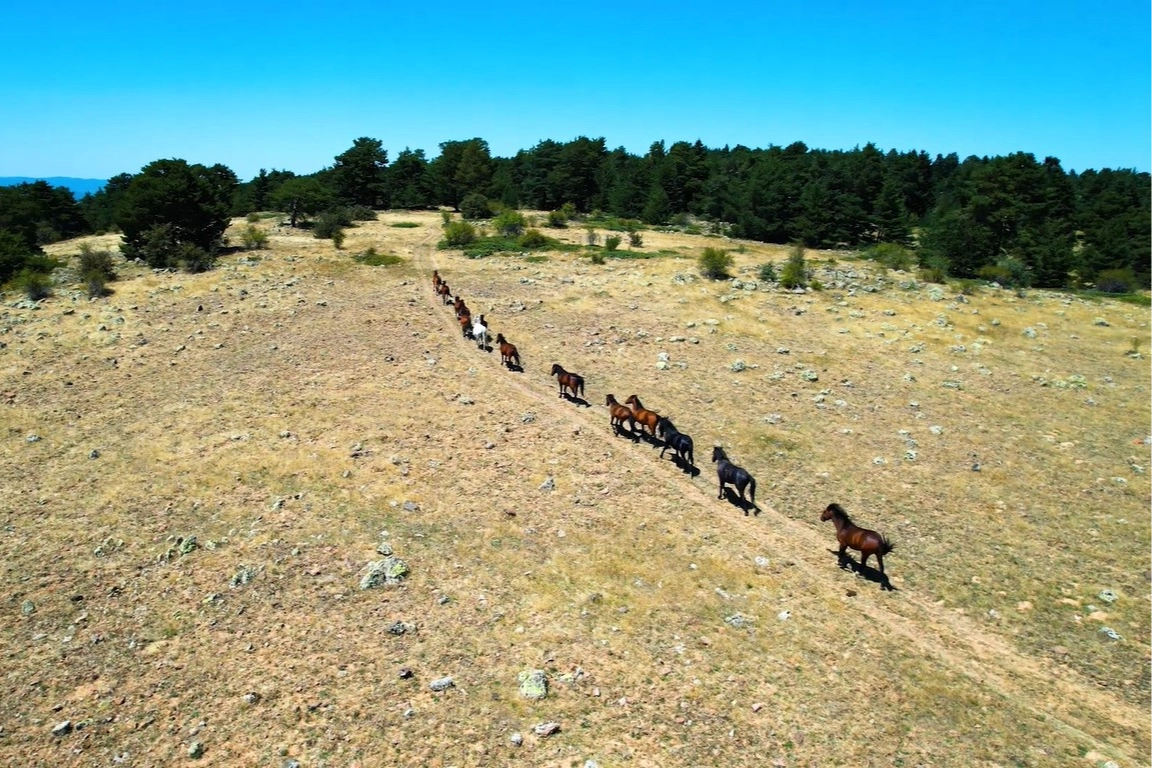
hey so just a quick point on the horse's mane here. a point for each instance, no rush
(838, 510)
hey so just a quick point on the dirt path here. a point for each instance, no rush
(1065, 701)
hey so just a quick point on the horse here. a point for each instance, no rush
(736, 476)
(572, 381)
(480, 333)
(436, 281)
(864, 541)
(646, 418)
(508, 351)
(618, 414)
(459, 307)
(465, 320)
(680, 443)
(444, 292)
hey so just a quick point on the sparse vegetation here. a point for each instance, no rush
(33, 284)
(795, 272)
(714, 263)
(372, 258)
(253, 238)
(612, 242)
(475, 206)
(635, 239)
(767, 273)
(892, 255)
(96, 269)
(405, 224)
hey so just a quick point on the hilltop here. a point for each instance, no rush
(199, 468)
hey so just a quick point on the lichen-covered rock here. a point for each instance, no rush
(442, 684)
(546, 729)
(390, 570)
(533, 684)
(738, 366)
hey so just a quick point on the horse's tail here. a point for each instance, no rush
(885, 545)
(580, 385)
(752, 488)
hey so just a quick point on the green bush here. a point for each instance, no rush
(33, 284)
(994, 273)
(157, 247)
(891, 255)
(405, 224)
(252, 218)
(458, 234)
(768, 274)
(329, 222)
(475, 206)
(533, 238)
(509, 223)
(590, 236)
(445, 218)
(338, 238)
(1117, 281)
(360, 213)
(193, 258)
(557, 220)
(253, 238)
(932, 274)
(597, 257)
(714, 263)
(98, 262)
(373, 259)
(612, 242)
(635, 239)
(795, 272)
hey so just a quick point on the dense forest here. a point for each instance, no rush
(1011, 218)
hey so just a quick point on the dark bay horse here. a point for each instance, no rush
(733, 475)
(643, 416)
(508, 352)
(465, 319)
(572, 381)
(436, 281)
(680, 443)
(459, 307)
(618, 414)
(864, 541)
(444, 292)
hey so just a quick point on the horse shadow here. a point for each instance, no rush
(651, 439)
(849, 563)
(744, 504)
(514, 367)
(576, 400)
(630, 434)
(689, 469)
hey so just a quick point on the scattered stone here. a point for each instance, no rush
(1030, 332)
(384, 548)
(738, 366)
(549, 484)
(186, 546)
(1107, 596)
(32, 438)
(1110, 633)
(405, 673)
(546, 729)
(401, 628)
(443, 600)
(390, 570)
(516, 739)
(1101, 321)
(879, 461)
(761, 561)
(737, 620)
(774, 418)
(527, 418)
(784, 615)
(757, 706)
(411, 506)
(28, 608)
(533, 684)
(936, 430)
(442, 684)
(94, 454)
(809, 375)
(242, 577)
(62, 729)
(252, 698)
(195, 750)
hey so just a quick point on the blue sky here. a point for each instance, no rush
(94, 89)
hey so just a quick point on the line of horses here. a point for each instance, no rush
(657, 429)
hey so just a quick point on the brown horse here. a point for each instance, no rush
(572, 381)
(436, 281)
(645, 417)
(444, 292)
(618, 414)
(459, 307)
(866, 542)
(466, 323)
(508, 351)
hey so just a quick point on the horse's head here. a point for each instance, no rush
(718, 454)
(500, 339)
(633, 400)
(611, 400)
(832, 510)
(556, 369)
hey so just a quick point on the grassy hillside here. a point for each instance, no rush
(294, 410)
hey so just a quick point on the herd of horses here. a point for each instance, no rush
(643, 423)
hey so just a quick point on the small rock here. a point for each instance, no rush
(442, 684)
(548, 485)
(94, 454)
(32, 438)
(738, 366)
(1107, 596)
(242, 576)
(62, 729)
(195, 750)
(401, 628)
(404, 673)
(757, 706)
(384, 548)
(252, 698)
(443, 600)
(516, 739)
(533, 684)
(546, 729)
(411, 506)
(784, 615)
(28, 608)
(390, 570)
(1101, 321)
(527, 418)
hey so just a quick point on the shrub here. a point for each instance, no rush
(405, 224)
(795, 272)
(475, 206)
(373, 259)
(590, 236)
(768, 273)
(533, 238)
(338, 238)
(557, 220)
(994, 273)
(932, 274)
(93, 261)
(156, 247)
(635, 239)
(253, 238)
(612, 242)
(445, 218)
(33, 284)
(360, 213)
(252, 218)
(714, 263)
(329, 222)
(509, 223)
(458, 234)
(1116, 281)
(891, 255)
(597, 257)
(193, 258)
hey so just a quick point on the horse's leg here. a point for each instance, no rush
(880, 562)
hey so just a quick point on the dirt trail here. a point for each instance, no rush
(935, 630)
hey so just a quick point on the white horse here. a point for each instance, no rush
(480, 333)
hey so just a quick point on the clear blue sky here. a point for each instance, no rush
(94, 89)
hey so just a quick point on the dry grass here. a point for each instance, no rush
(226, 406)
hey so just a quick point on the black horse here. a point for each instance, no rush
(678, 442)
(736, 476)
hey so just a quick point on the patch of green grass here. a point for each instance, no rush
(405, 224)
(373, 259)
(535, 259)
(612, 223)
(489, 246)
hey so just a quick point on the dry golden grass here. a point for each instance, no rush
(227, 406)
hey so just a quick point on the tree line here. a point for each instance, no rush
(1011, 218)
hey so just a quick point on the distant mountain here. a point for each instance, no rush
(79, 187)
